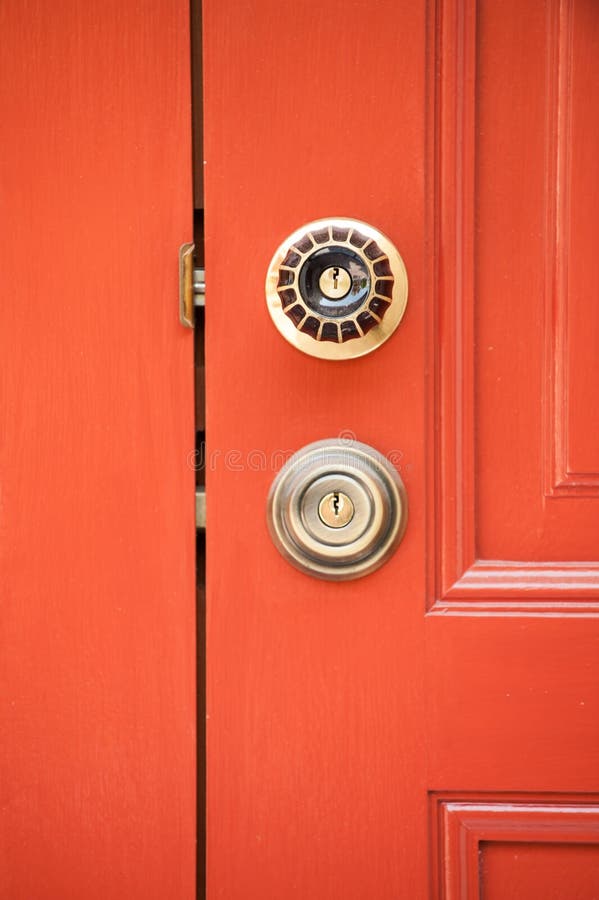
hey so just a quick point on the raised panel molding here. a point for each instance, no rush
(563, 479)
(461, 583)
(462, 829)
(525, 588)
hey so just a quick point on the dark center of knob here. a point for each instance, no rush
(334, 282)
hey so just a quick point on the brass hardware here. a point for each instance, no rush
(336, 288)
(186, 304)
(337, 510)
(200, 509)
(199, 287)
(335, 282)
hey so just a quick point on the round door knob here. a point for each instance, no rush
(337, 510)
(337, 288)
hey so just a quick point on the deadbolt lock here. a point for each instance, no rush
(336, 288)
(337, 510)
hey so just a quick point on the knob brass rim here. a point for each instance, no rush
(337, 336)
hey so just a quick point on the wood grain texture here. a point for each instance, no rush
(313, 688)
(198, 105)
(512, 702)
(519, 122)
(96, 521)
(494, 849)
(573, 321)
(334, 708)
(549, 870)
(515, 316)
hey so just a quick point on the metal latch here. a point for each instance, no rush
(199, 287)
(200, 509)
(192, 286)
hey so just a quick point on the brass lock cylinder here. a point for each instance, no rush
(337, 510)
(336, 288)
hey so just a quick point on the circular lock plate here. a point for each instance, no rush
(337, 510)
(336, 288)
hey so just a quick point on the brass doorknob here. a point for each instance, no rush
(337, 509)
(336, 288)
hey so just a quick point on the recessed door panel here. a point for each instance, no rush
(506, 848)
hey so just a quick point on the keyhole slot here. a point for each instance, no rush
(336, 503)
(336, 509)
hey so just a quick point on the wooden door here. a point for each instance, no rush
(432, 729)
(97, 755)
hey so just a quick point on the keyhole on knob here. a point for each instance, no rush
(335, 282)
(336, 509)
(336, 495)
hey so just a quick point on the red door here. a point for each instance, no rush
(96, 501)
(433, 728)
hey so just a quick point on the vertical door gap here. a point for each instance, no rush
(198, 196)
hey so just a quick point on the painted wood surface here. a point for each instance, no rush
(469, 663)
(502, 848)
(96, 516)
(315, 689)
